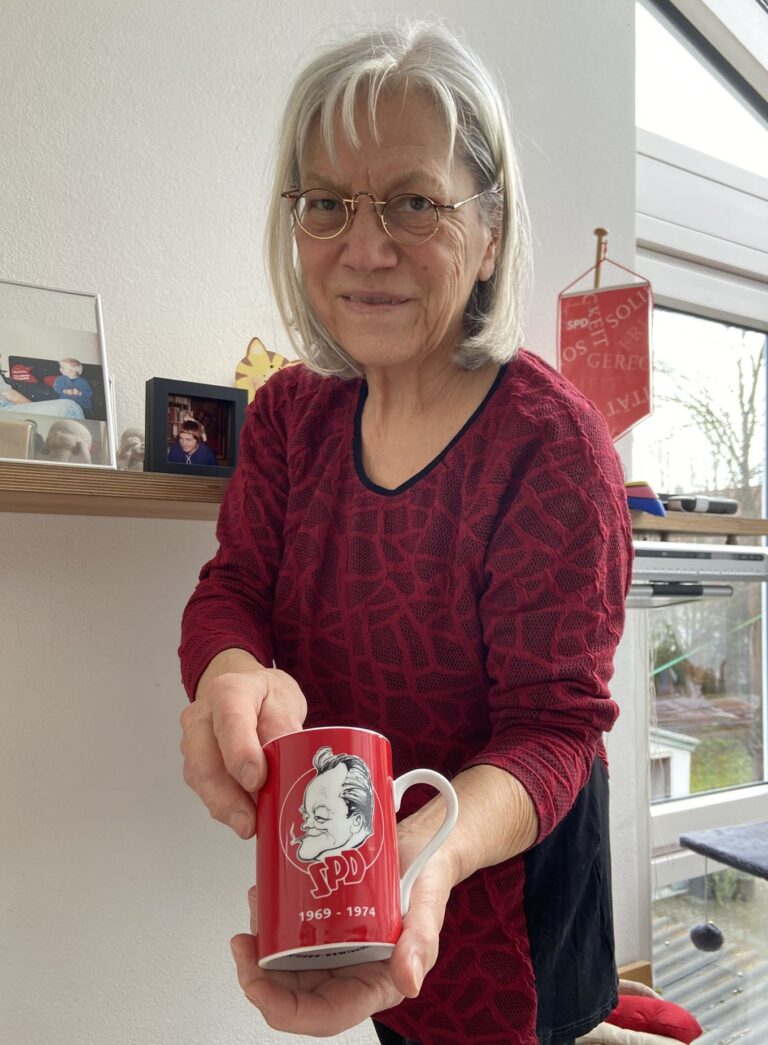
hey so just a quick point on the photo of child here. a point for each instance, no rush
(66, 387)
(53, 377)
(70, 384)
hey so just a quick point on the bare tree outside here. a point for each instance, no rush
(730, 416)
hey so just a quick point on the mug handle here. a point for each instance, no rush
(446, 789)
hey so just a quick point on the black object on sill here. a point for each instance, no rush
(696, 502)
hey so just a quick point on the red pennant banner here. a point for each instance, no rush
(604, 348)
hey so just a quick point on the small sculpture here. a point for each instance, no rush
(68, 441)
(130, 453)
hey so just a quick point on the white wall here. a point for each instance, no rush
(134, 145)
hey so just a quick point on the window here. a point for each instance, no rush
(702, 211)
(707, 435)
(679, 99)
(707, 430)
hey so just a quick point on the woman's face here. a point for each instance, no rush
(187, 442)
(388, 304)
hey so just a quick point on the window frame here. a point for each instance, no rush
(722, 38)
(698, 232)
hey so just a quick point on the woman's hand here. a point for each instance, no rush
(325, 1002)
(14, 397)
(239, 706)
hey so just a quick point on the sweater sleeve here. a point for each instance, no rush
(558, 570)
(231, 606)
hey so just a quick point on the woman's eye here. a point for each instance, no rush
(326, 204)
(415, 204)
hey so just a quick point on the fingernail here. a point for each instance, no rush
(241, 824)
(418, 974)
(235, 951)
(249, 776)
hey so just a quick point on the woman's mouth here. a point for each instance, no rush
(368, 301)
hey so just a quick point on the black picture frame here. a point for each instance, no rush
(220, 411)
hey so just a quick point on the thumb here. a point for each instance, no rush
(416, 950)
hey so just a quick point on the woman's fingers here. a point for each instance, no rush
(223, 760)
(235, 702)
(247, 710)
(320, 1003)
(416, 950)
(206, 774)
(223, 731)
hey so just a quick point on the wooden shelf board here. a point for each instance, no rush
(699, 523)
(52, 490)
(94, 491)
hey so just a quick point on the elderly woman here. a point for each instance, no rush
(426, 535)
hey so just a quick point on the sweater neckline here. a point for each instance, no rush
(358, 440)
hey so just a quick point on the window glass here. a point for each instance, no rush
(706, 435)
(707, 688)
(678, 98)
(725, 990)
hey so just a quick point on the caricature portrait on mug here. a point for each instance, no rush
(328, 868)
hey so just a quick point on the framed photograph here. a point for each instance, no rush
(55, 396)
(191, 428)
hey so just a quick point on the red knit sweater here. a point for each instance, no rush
(471, 615)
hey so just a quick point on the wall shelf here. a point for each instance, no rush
(70, 490)
(51, 490)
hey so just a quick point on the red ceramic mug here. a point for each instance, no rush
(328, 874)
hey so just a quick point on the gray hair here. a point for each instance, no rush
(432, 59)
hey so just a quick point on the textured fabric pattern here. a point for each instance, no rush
(471, 615)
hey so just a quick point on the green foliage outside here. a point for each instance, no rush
(720, 762)
(725, 886)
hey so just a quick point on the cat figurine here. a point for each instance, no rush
(257, 366)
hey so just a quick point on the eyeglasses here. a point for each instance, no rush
(408, 218)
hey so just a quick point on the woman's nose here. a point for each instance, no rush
(366, 245)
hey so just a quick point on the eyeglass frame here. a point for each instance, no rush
(350, 209)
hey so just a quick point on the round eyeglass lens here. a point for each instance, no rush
(321, 213)
(410, 219)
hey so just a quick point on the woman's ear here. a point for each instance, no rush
(488, 263)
